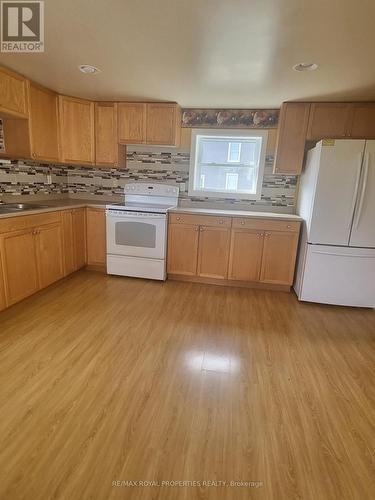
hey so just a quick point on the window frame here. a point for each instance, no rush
(231, 134)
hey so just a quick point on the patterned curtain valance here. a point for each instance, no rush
(230, 118)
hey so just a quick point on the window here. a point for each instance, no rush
(227, 163)
(234, 152)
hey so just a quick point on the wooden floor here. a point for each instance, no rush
(107, 379)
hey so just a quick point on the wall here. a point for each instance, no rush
(143, 163)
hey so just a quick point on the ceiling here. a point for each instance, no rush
(210, 53)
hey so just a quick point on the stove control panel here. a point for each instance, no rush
(146, 189)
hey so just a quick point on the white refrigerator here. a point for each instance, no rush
(336, 258)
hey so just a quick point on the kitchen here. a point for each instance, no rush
(174, 274)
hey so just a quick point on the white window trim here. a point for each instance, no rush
(235, 133)
(229, 151)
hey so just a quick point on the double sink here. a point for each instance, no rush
(9, 208)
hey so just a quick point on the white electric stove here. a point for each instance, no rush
(137, 231)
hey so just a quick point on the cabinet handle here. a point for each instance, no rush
(221, 222)
(242, 223)
(267, 235)
(178, 218)
(201, 229)
(288, 226)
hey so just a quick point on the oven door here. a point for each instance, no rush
(136, 234)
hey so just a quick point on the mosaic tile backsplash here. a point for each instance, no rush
(143, 163)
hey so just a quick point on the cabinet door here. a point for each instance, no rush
(2, 286)
(77, 130)
(131, 123)
(363, 121)
(96, 237)
(13, 94)
(106, 147)
(79, 237)
(162, 126)
(19, 265)
(245, 255)
(279, 256)
(68, 242)
(291, 137)
(213, 252)
(329, 120)
(49, 249)
(182, 249)
(44, 124)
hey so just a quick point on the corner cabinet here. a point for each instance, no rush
(233, 251)
(77, 135)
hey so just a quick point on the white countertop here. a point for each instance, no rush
(236, 213)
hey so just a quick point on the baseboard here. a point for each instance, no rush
(97, 267)
(232, 283)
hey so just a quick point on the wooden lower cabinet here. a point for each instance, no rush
(279, 255)
(79, 237)
(49, 251)
(245, 255)
(213, 252)
(242, 251)
(74, 239)
(68, 242)
(19, 265)
(182, 249)
(96, 237)
(2, 286)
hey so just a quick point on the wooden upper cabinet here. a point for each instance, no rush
(96, 237)
(362, 125)
(329, 120)
(13, 94)
(49, 251)
(183, 249)
(131, 123)
(44, 134)
(213, 252)
(163, 124)
(291, 137)
(77, 130)
(279, 256)
(245, 255)
(106, 146)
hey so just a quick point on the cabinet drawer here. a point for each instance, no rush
(200, 220)
(28, 221)
(266, 224)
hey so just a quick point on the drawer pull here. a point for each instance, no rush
(178, 218)
(221, 222)
(288, 226)
(242, 223)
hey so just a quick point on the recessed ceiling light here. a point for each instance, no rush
(88, 69)
(305, 67)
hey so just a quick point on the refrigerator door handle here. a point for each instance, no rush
(363, 190)
(355, 196)
(335, 254)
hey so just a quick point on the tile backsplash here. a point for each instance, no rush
(143, 163)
